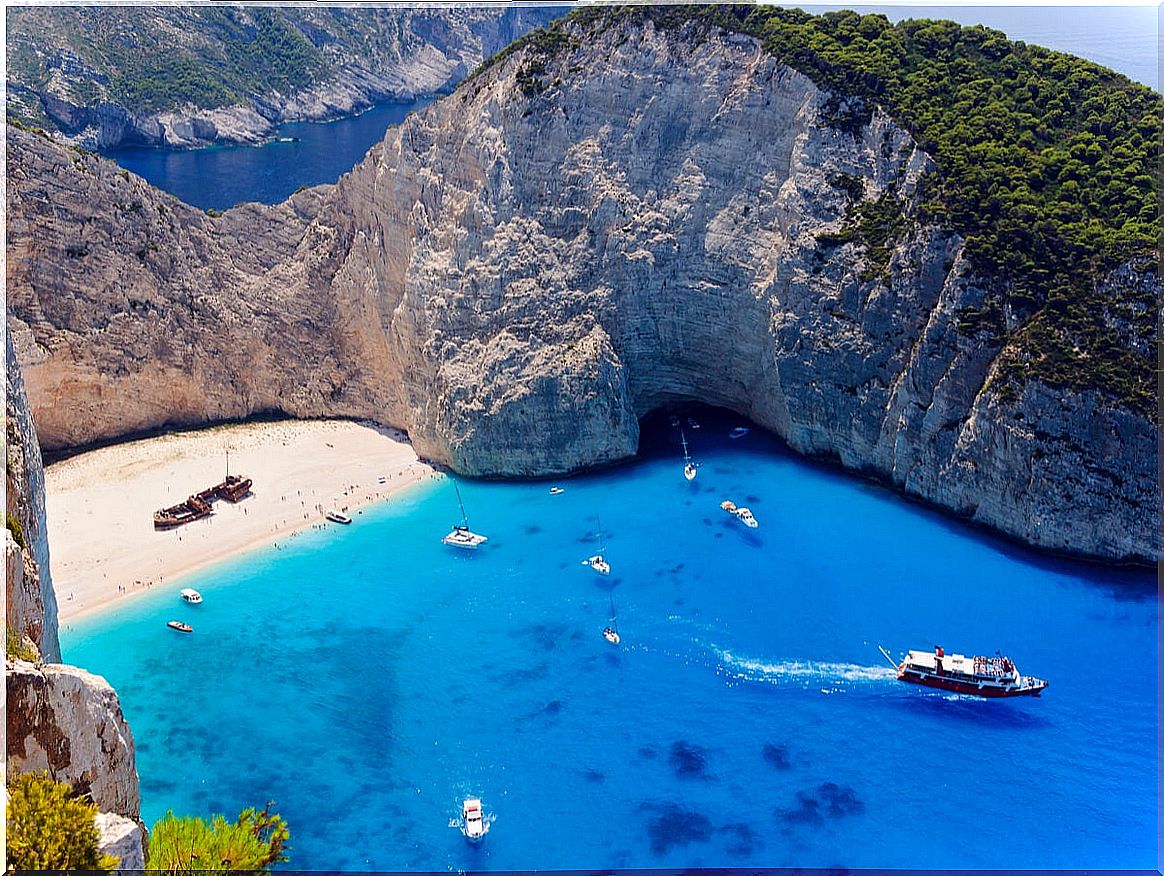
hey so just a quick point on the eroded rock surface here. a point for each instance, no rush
(520, 272)
(67, 721)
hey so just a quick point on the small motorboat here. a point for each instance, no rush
(611, 635)
(738, 432)
(474, 825)
(691, 422)
(673, 420)
(337, 516)
(191, 596)
(180, 627)
(744, 515)
(978, 676)
(556, 491)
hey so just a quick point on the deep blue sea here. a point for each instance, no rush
(306, 154)
(367, 678)
(1124, 38)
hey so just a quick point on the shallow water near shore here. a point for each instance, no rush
(367, 678)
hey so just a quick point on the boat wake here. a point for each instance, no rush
(803, 673)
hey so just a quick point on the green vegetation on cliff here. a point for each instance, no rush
(151, 59)
(264, 53)
(1047, 168)
(251, 844)
(50, 828)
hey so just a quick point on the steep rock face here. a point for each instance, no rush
(130, 309)
(64, 720)
(31, 607)
(518, 273)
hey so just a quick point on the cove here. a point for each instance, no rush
(367, 678)
(304, 154)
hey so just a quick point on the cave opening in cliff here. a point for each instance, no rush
(701, 424)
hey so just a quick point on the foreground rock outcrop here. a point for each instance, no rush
(64, 720)
(520, 272)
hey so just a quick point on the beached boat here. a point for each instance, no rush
(611, 632)
(738, 432)
(179, 626)
(689, 467)
(744, 515)
(978, 676)
(194, 508)
(462, 536)
(191, 596)
(474, 825)
(337, 516)
(234, 489)
(598, 561)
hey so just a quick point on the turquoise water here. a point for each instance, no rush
(367, 678)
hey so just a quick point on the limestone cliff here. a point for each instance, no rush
(520, 272)
(57, 718)
(30, 607)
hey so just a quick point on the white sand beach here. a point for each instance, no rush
(100, 504)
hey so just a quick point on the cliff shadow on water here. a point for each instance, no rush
(659, 439)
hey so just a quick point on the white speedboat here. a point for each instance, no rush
(556, 491)
(598, 561)
(462, 536)
(179, 626)
(689, 466)
(744, 515)
(738, 432)
(191, 596)
(474, 825)
(337, 516)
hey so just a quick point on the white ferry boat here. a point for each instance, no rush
(191, 596)
(979, 676)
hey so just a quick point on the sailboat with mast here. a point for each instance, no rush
(462, 536)
(598, 561)
(689, 467)
(611, 632)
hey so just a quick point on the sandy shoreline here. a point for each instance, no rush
(104, 550)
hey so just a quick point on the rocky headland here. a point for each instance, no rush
(642, 215)
(187, 77)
